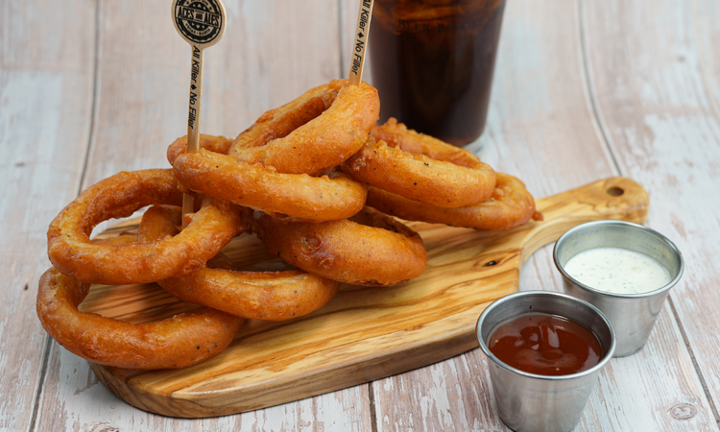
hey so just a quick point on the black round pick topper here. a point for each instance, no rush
(199, 21)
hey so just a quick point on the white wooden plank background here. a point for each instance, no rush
(657, 99)
(583, 90)
(45, 120)
(542, 128)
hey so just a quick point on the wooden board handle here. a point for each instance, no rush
(618, 198)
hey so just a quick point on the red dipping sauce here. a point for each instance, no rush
(545, 344)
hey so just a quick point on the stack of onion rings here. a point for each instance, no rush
(280, 179)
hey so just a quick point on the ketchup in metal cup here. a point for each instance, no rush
(433, 63)
(545, 344)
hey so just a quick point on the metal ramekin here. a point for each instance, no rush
(632, 315)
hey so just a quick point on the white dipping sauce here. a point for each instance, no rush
(617, 270)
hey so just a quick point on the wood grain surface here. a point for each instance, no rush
(583, 90)
(364, 333)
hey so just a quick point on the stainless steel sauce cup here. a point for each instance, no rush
(632, 315)
(529, 402)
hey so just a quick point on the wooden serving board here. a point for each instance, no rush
(362, 334)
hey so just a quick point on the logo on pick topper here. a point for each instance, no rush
(199, 21)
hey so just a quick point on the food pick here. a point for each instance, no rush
(201, 24)
(361, 38)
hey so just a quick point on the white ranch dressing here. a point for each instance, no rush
(618, 270)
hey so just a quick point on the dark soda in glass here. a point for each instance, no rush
(433, 62)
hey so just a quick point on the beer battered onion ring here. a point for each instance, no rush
(315, 132)
(181, 341)
(298, 196)
(71, 251)
(268, 296)
(510, 205)
(369, 249)
(215, 144)
(421, 168)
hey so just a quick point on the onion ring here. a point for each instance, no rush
(122, 238)
(332, 196)
(213, 143)
(369, 249)
(421, 168)
(177, 342)
(268, 296)
(510, 205)
(71, 251)
(315, 132)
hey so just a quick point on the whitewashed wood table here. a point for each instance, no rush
(584, 90)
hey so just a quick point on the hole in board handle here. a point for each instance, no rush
(614, 191)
